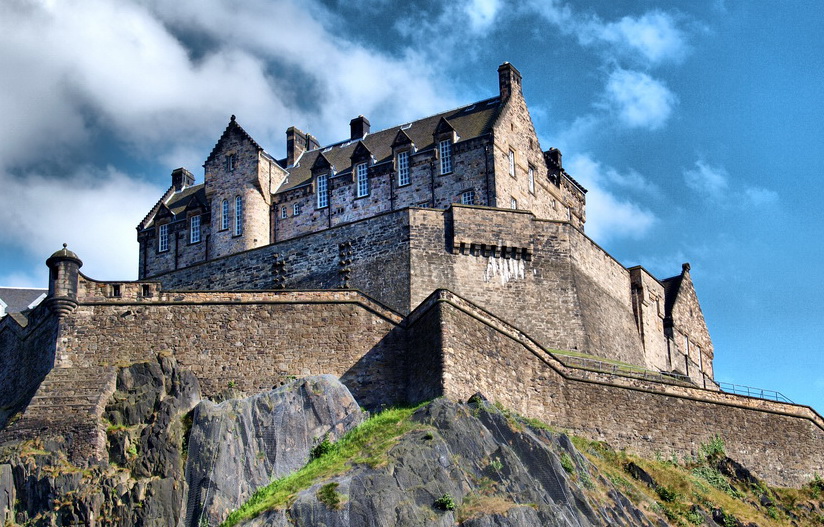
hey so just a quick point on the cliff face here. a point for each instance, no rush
(177, 460)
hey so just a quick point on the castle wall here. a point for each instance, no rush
(648, 305)
(646, 417)
(256, 340)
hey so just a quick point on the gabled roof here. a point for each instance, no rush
(177, 203)
(469, 121)
(232, 126)
(19, 299)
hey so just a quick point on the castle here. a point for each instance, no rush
(446, 256)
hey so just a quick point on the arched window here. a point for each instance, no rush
(224, 215)
(238, 216)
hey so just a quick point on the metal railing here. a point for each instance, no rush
(749, 391)
(618, 369)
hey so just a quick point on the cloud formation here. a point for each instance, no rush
(638, 100)
(714, 183)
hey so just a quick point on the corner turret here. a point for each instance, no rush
(64, 270)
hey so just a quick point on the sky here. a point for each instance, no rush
(696, 127)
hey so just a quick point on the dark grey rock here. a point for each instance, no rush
(7, 494)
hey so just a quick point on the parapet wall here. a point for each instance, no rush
(782, 443)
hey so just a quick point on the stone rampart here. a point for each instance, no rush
(782, 443)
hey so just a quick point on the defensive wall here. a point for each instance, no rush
(572, 293)
(447, 346)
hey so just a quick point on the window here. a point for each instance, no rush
(283, 213)
(194, 229)
(512, 163)
(403, 168)
(116, 291)
(362, 180)
(238, 215)
(145, 290)
(323, 192)
(468, 197)
(224, 215)
(296, 209)
(513, 204)
(163, 238)
(445, 151)
(231, 162)
(531, 174)
(424, 205)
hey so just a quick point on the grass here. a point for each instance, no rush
(365, 444)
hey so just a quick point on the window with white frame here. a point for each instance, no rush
(323, 191)
(238, 216)
(403, 168)
(224, 215)
(163, 238)
(512, 163)
(296, 209)
(362, 180)
(445, 152)
(283, 213)
(531, 174)
(513, 204)
(194, 229)
(468, 197)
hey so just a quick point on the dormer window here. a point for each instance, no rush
(224, 215)
(402, 164)
(445, 153)
(194, 229)
(163, 238)
(323, 191)
(238, 216)
(362, 180)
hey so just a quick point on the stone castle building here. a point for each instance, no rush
(440, 257)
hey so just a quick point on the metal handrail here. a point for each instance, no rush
(617, 369)
(758, 393)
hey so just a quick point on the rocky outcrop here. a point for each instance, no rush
(242, 444)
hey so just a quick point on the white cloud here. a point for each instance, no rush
(707, 180)
(653, 37)
(638, 100)
(94, 212)
(760, 196)
(482, 13)
(608, 215)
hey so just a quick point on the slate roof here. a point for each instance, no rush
(469, 121)
(179, 201)
(18, 299)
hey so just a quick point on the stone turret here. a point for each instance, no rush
(64, 271)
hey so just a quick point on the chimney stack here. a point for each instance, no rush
(509, 80)
(182, 178)
(359, 127)
(296, 145)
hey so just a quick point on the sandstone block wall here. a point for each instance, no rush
(781, 442)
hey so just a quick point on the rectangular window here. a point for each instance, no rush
(116, 291)
(323, 191)
(468, 197)
(513, 204)
(445, 151)
(283, 213)
(362, 181)
(231, 161)
(163, 238)
(224, 215)
(238, 216)
(512, 163)
(145, 290)
(194, 229)
(531, 174)
(403, 168)
(296, 209)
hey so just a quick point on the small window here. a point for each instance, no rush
(362, 180)
(283, 213)
(512, 163)
(445, 151)
(194, 229)
(513, 204)
(296, 209)
(163, 238)
(403, 168)
(145, 290)
(116, 291)
(224, 215)
(231, 162)
(468, 197)
(238, 216)
(531, 174)
(323, 191)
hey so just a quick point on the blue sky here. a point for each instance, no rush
(696, 126)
